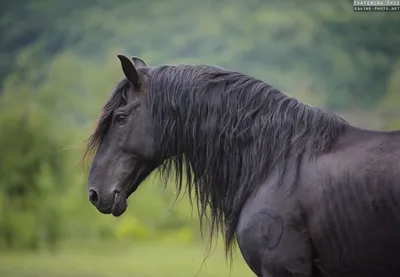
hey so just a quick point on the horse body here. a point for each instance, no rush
(343, 219)
(303, 192)
(359, 205)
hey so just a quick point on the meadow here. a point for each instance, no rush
(111, 259)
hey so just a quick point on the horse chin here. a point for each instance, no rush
(120, 204)
(121, 197)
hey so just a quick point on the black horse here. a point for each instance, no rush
(301, 191)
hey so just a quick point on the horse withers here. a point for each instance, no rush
(301, 191)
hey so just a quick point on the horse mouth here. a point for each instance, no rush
(120, 204)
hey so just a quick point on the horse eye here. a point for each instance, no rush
(120, 118)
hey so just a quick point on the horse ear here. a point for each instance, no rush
(129, 70)
(139, 63)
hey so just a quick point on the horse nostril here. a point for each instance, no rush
(93, 197)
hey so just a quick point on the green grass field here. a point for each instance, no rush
(133, 260)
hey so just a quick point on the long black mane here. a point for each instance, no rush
(224, 133)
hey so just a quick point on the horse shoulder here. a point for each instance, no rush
(272, 233)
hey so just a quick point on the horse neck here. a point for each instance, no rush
(226, 147)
